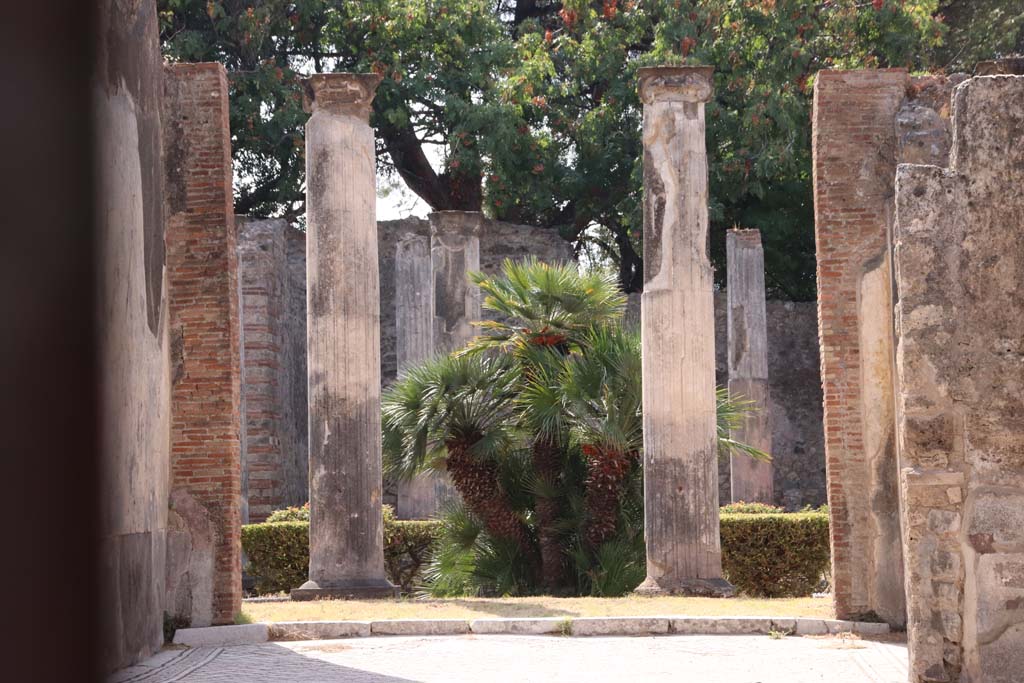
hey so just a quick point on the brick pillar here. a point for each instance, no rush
(750, 480)
(346, 553)
(204, 567)
(678, 331)
(960, 364)
(855, 148)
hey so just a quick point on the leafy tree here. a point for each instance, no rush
(529, 107)
(538, 422)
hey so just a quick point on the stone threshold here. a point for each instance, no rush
(248, 634)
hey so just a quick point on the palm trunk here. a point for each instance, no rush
(547, 463)
(606, 475)
(477, 483)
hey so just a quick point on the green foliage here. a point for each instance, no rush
(764, 555)
(290, 514)
(278, 552)
(532, 106)
(539, 424)
(743, 508)
(775, 555)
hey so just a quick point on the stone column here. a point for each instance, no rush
(346, 553)
(677, 327)
(414, 343)
(750, 479)
(453, 304)
(455, 252)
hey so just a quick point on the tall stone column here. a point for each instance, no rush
(414, 343)
(346, 546)
(750, 479)
(455, 252)
(678, 340)
(453, 304)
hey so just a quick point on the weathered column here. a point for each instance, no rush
(677, 327)
(414, 343)
(455, 252)
(959, 258)
(204, 567)
(750, 479)
(346, 553)
(453, 304)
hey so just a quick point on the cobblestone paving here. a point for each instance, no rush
(481, 659)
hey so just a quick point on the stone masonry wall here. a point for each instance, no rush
(204, 547)
(959, 258)
(134, 397)
(864, 123)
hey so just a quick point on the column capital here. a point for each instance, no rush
(340, 93)
(675, 83)
(456, 223)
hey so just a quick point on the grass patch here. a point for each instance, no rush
(539, 606)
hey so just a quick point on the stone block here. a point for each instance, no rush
(996, 521)
(318, 630)
(866, 628)
(419, 627)
(721, 625)
(526, 627)
(619, 626)
(221, 636)
(811, 627)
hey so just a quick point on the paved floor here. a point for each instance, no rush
(481, 659)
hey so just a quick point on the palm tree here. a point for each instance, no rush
(601, 396)
(545, 313)
(455, 414)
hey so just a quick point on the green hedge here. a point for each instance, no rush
(775, 555)
(763, 555)
(278, 552)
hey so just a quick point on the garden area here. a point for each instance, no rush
(538, 423)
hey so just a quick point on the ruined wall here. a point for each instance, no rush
(864, 122)
(959, 258)
(132, 307)
(204, 548)
(272, 278)
(794, 387)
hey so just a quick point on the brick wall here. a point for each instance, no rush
(864, 124)
(854, 167)
(204, 568)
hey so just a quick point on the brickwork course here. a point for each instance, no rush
(864, 123)
(203, 287)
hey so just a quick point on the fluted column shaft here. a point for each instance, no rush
(677, 327)
(346, 557)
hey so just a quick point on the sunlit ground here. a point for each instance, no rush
(474, 608)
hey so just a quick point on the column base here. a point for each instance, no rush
(346, 590)
(706, 588)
